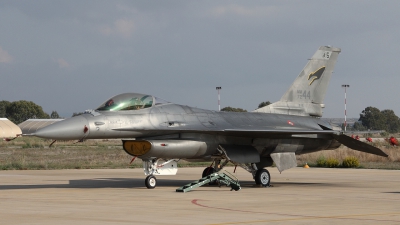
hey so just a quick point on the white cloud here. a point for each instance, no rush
(123, 28)
(260, 11)
(62, 63)
(5, 57)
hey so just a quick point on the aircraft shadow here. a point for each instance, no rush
(249, 184)
(139, 183)
(100, 183)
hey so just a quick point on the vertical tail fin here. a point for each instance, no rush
(306, 95)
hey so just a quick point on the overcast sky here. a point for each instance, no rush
(70, 56)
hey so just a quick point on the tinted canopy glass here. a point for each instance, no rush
(127, 101)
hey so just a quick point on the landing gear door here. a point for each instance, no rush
(284, 160)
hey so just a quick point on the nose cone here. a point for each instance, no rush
(70, 129)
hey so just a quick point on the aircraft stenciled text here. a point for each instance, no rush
(127, 122)
(303, 94)
(115, 121)
(326, 55)
(134, 121)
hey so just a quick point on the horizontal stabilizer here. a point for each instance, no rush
(358, 145)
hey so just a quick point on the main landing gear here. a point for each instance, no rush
(208, 171)
(260, 176)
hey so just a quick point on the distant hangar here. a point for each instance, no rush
(32, 125)
(8, 129)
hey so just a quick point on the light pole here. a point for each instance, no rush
(219, 106)
(345, 92)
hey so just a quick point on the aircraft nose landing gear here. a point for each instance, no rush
(150, 182)
(153, 167)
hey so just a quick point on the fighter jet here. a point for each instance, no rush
(161, 133)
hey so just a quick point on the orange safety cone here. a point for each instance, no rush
(306, 166)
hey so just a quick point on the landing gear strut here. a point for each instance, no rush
(261, 176)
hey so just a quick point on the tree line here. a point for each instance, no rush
(22, 110)
(372, 118)
(232, 109)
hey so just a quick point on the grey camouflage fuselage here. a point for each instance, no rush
(154, 129)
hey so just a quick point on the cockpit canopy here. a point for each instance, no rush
(130, 101)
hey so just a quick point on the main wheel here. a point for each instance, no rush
(262, 177)
(150, 182)
(207, 171)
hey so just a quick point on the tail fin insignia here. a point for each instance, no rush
(316, 74)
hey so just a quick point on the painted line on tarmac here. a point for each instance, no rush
(297, 216)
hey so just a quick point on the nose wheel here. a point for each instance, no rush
(150, 182)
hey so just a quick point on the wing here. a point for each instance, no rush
(249, 132)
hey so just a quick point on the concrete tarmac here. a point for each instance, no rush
(119, 196)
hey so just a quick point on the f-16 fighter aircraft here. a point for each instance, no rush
(161, 133)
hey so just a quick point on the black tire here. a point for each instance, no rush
(150, 182)
(263, 177)
(207, 171)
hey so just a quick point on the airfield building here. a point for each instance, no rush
(8, 129)
(32, 125)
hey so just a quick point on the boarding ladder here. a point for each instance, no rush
(221, 177)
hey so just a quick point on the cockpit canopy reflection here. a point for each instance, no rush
(130, 101)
